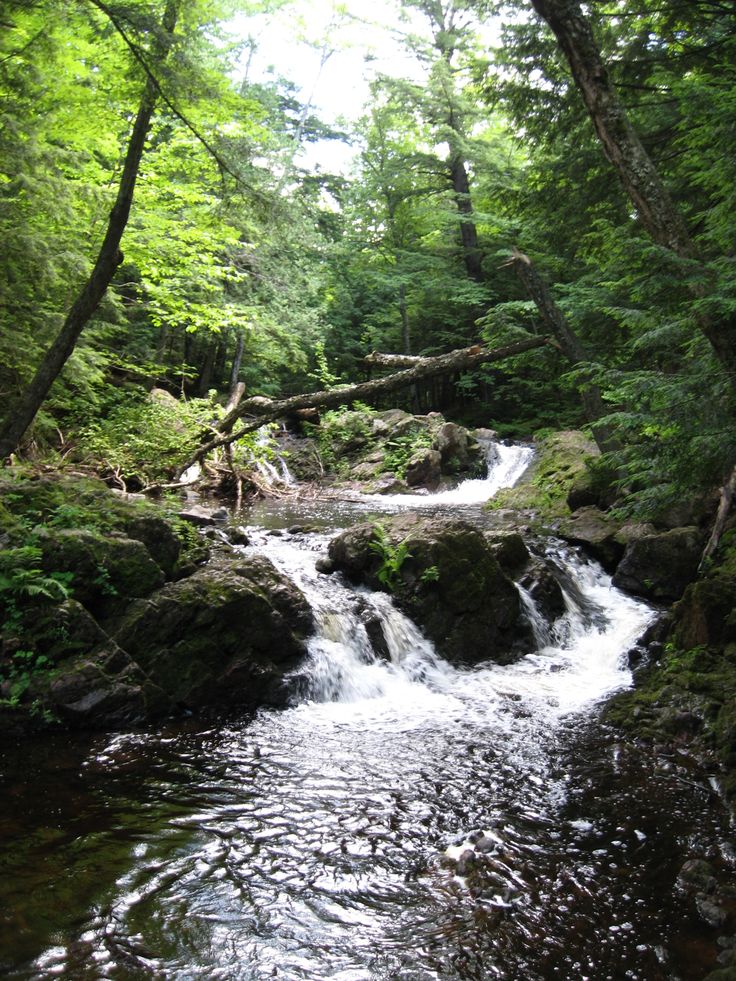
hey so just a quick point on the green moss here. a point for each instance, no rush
(688, 697)
(563, 461)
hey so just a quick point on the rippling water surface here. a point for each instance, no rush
(313, 843)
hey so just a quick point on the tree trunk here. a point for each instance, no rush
(468, 232)
(109, 258)
(624, 149)
(237, 361)
(266, 410)
(208, 367)
(570, 345)
(724, 509)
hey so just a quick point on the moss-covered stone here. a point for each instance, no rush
(106, 570)
(660, 566)
(561, 463)
(444, 574)
(225, 636)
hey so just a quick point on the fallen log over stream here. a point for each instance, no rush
(262, 410)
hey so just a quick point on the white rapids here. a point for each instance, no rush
(580, 660)
(506, 464)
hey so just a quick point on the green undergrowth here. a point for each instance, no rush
(347, 435)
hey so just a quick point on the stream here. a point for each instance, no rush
(321, 842)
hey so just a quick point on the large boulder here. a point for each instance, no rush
(106, 570)
(458, 454)
(560, 470)
(660, 566)
(103, 689)
(596, 532)
(443, 573)
(424, 469)
(706, 614)
(226, 636)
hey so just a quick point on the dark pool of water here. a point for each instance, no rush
(281, 847)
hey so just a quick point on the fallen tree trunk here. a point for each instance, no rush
(265, 410)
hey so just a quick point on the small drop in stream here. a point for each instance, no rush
(405, 819)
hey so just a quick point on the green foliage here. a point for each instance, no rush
(147, 438)
(342, 432)
(400, 450)
(17, 675)
(392, 557)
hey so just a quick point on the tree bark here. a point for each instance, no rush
(570, 344)
(468, 232)
(267, 410)
(237, 361)
(109, 258)
(623, 148)
(724, 509)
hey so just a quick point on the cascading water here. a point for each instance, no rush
(505, 465)
(310, 844)
(273, 473)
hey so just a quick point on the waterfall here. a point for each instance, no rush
(505, 465)
(277, 473)
(365, 649)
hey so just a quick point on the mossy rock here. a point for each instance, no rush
(107, 571)
(449, 582)
(63, 502)
(226, 636)
(706, 614)
(660, 566)
(562, 463)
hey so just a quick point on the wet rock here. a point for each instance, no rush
(226, 636)
(325, 565)
(660, 566)
(388, 484)
(697, 874)
(709, 911)
(238, 535)
(544, 590)
(197, 514)
(374, 629)
(448, 582)
(466, 862)
(102, 690)
(509, 549)
(596, 532)
(157, 535)
(706, 614)
(457, 454)
(424, 469)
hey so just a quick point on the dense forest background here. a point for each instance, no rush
(483, 204)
